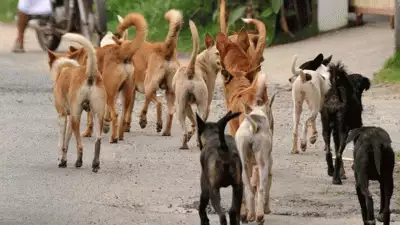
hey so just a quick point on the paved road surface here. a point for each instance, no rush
(145, 179)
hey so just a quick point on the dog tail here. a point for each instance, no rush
(295, 71)
(261, 89)
(175, 19)
(221, 125)
(195, 36)
(262, 35)
(222, 16)
(61, 63)
(125, 34)
(91, 68)
(137, 20)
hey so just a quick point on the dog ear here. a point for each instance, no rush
(116, 40)
(52, 55)
(243, 40)
(200, 124)
(209, 41)
(326, 61)
(72, 49)
(366, 83)
(317, 61)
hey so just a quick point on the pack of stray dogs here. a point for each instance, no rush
(91, 78)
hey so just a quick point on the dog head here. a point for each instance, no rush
(317, 64)
(207, 130)
(264, 109)
(212, 53)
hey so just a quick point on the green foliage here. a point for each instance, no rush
(8, 9)
(235, 15)
(390, 73)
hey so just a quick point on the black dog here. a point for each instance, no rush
(313, 64)
(373, 160)
(221, 167)
(340, 113)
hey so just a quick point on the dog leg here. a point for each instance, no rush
(114, 118)
(127, 98)
(234, 211)
(343, 133)
(263, 182)
(170, 97)
(297, 109)
(249, 192)
(337, 145)
(267, 209)
(368, 197)
(314, 134)
(204, 199)
(97, 146)
(181, 111)
(62, 158)
(89, 125)
(386, 195)
(127, 124)
(216, 203)
(361, 200)
(159, 123)
(75, 123)
(310, 119)
(326, 133)
(190, 115)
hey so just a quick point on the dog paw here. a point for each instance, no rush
(267, 210)
(185, 146)
(127, 127)
(336, 181)
(113, 140)
(251, 217)
(95, 169)
(303, 147)
(330, 172)
(166, 133)
(106, 128)
(143, 123)
(87, 134)
(294, 152)
(78, 163)
(260, 219)
(313, 139)
(159, 127)
(62, 164)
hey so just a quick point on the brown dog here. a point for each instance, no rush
(194, 83)
(117, 71)
(155, 64)
(233, 57)
(77, 88)
(248, 45)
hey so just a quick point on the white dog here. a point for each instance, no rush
(107, 39)
(254, 143)
(309, 86)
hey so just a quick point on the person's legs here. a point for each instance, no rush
(22, 24)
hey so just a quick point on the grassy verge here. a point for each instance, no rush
(390, 73)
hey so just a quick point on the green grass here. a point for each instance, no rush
(390, 73)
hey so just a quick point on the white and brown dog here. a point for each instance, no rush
(309, 86)
(195, 83)
(77, 88)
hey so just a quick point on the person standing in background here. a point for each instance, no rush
(27, 8)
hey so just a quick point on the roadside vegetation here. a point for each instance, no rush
(390, 72)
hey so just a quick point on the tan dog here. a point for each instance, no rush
(194, 83)
(155, 64)
(77, 88)
(117, 72)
